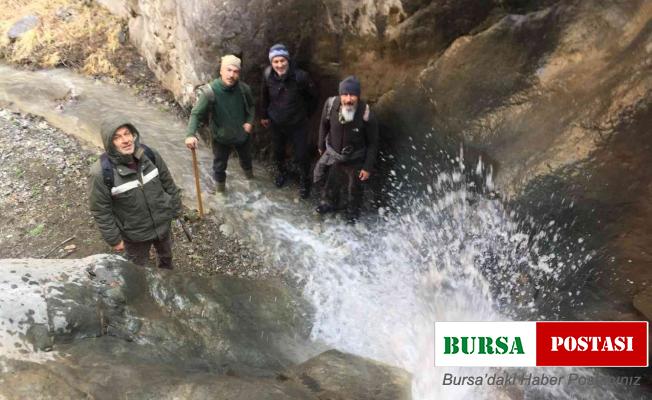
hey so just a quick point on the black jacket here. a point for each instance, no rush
(290, 99)
(361, 133)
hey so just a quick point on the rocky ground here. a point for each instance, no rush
(44, 205)
(44, 173)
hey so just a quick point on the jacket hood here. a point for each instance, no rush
(108, 128)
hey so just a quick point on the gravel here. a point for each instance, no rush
(44, 206)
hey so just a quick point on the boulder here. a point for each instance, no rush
(643, 303)
(104, 328)
(341, 376)
(117, 7)
(22, 26)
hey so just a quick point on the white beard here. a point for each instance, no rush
(347, 113)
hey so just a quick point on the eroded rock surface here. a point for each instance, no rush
(532, 86)
(103, 328)
(337, 375)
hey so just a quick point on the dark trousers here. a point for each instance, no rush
(138, 252)
(297, 135)
(338, 175)
(221, 158)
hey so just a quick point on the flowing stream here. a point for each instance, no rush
(447, 254)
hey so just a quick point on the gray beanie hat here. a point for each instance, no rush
(350, 85)
(279, 50)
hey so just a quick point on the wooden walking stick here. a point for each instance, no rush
(195, 169)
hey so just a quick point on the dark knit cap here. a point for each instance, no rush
(279, 50)
(350, 85)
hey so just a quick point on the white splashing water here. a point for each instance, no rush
(378, 291)
(377, 288)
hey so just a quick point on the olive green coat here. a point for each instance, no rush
(231, 108)
(141, 204)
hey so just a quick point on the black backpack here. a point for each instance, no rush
(107, 165)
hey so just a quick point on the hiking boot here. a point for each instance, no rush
(249, 174)
(304, 187)
(324, 208)
(352, 217)
(279, 181)
(220, 187)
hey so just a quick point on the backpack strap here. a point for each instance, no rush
(149, 153)
(244, 89)
(207, 90)
(107, 170)
(267, 72)
(329, 106)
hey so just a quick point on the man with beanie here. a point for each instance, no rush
(231, 105)
(348, 144)
(288, 99)
(133, 198)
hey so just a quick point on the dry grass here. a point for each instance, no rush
(77, 34)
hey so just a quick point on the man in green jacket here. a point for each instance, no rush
(231, 106)
(133, 197)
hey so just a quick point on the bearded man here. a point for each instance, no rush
(348, 145)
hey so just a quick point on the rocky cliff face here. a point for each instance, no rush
(554, 95)
(533, 85)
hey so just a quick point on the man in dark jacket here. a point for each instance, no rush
(288, 99)
(348, 144)
(133, 198)
(231, 105)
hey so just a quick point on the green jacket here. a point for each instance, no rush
(141, 204)
(233, 106)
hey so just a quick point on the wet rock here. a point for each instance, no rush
(39, 335)
(33, 380)
(23, 26)
(643, 303)
(103, 311)
(226, 230)
(338, 375)
(197, 337)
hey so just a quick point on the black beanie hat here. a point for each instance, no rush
(350, 85)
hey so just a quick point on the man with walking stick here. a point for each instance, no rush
(231, 106)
